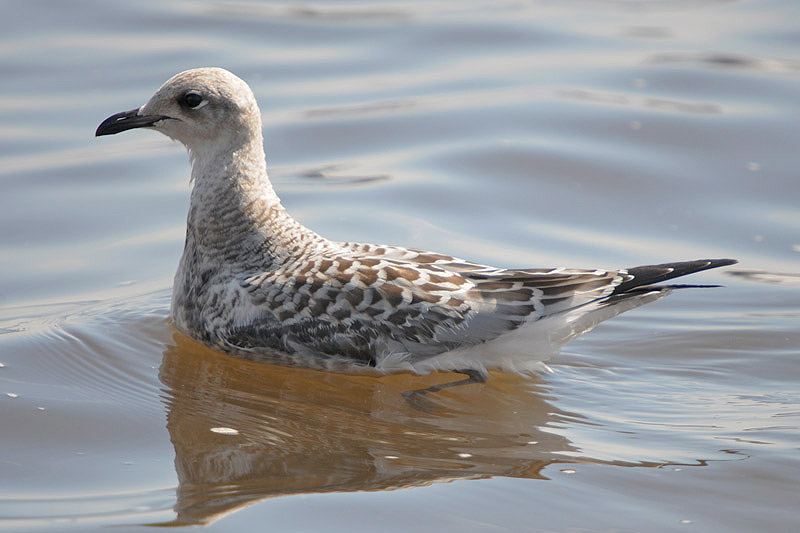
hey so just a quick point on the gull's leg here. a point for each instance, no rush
(416, 398)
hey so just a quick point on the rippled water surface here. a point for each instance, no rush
(574, 133)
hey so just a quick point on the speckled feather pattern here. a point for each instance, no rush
(255, 282)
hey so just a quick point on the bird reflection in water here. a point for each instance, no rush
(245, 431)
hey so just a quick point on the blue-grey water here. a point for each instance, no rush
(541, 133)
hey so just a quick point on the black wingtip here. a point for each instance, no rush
(650, 274)
(714, 263)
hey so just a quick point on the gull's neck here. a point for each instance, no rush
(236, 221)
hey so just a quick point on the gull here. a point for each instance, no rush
(255, 282)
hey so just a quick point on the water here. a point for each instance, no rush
(584, 134)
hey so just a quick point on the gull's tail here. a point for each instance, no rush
(644, 278)
(642, 287)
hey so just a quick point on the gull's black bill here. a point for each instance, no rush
(127, 120)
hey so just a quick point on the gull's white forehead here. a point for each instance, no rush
(213, 80)
(213, 84)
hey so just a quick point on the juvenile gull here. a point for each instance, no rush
(255, 282)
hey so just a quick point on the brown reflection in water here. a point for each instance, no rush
(305, 431)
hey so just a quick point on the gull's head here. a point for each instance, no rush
(198, 107)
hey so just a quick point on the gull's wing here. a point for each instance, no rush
(375, 301)
(367, 307)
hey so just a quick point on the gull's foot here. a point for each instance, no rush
(417, 398)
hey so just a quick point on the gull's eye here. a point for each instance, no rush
(193, 100)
